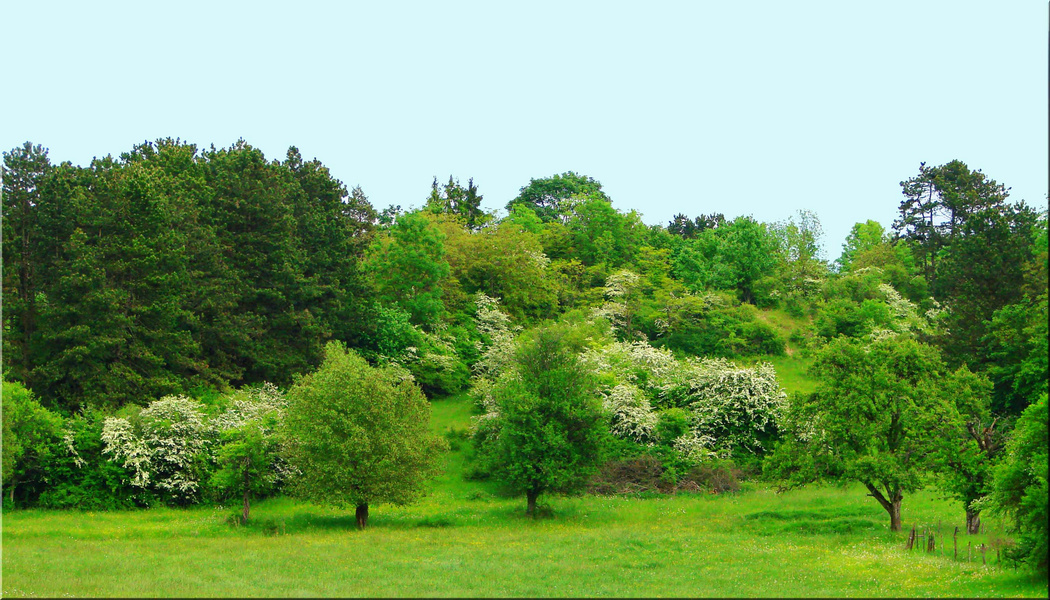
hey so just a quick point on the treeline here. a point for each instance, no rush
(198, 276)
(169, 269)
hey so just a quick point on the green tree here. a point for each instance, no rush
(937, 202)
(969, 443)
(31, 434)
(246, 460)
(868, 421)
(862, 237)
(406, 267)
(454, 199)
(546, 428)
(982, 271)
(1020, 486)
(748, 252)
(358, 435)
(24, 169)
(550, 197)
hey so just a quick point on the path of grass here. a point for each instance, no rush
(464, 541)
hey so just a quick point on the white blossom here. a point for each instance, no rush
(162, 446)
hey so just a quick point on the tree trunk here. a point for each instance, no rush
(362, 515)
(244, 513)
(895, 515)
(973, 521)
(531, 509)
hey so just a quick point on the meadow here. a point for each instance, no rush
(466, 540)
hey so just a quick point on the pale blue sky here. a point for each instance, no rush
(755, 107)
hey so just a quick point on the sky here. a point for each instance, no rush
(756, 108)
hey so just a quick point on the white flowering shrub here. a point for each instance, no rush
(621, 291)
(495, 326)
(165, 446)
(252, 404)
(696, 448)
(736, 406)
(632, 415)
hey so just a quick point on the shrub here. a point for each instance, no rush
(80, 475)
(165, 446)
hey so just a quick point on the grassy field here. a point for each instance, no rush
(463, 540)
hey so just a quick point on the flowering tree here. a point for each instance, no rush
(249, 463)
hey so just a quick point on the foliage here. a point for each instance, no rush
(358, 435)
(738, 409)
(407, 265)
(30, 440)
(454, 199)
(166, 446)
(549, 197)
(168, 268)
(246, 458)
(1020, 487)
(968, 442)
(81, 476)
(869, 420)
(545, 428)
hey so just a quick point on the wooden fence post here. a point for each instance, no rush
(983, 561)
(931, 544)
(968, 545)
(955, 541)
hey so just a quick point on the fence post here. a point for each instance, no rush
(983, 561)
(968, 545)
(955, 541)
(931, 544)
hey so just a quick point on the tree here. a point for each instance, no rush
(407, 266)
(248, 456)
(748, 253)
(1020, 487)
(937, 202)
(868, 421)
(862, 237)
(245, 462)
(688, 229)
(30, 438)
(545, 429)
(454, 199)
(24, 169)
(968, 443)
(358, 435)
(550, 197)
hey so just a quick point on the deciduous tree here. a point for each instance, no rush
(358, 435)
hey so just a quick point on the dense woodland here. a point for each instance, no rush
(184, 326)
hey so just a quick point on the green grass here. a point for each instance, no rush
(463, 540)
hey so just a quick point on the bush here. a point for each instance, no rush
(716, 477)
(166, 446)
(629, 476)
(80, 476)
(31, 440)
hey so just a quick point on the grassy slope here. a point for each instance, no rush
(464, 541)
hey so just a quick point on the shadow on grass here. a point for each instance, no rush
(840, 521)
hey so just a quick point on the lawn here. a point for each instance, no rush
(464, 540)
